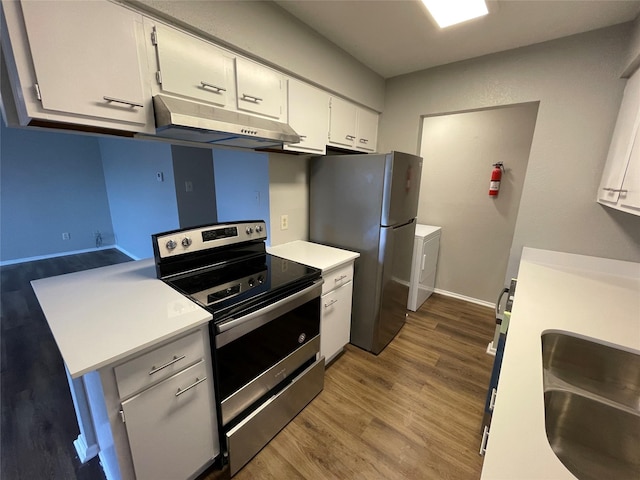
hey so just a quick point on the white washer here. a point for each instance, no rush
(423, 266)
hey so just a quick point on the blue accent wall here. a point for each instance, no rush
(242, 185)
(140, 204)
(50, 183)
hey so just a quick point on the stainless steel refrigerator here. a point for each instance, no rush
(368, 204)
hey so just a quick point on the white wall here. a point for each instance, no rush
(576, 80)
(458, 151)
(50, 183)
(289, 195)
(140, 205)
(241, 184)
(265, 31)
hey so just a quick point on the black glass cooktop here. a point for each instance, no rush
(229, 288)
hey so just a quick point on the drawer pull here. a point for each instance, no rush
(251, 98)
(340, 278)
(614, 190)
(198, 381)
(169, 363)
(211, 85)
(485, 439)
(492, 402)
(327, 305)
(125, 102)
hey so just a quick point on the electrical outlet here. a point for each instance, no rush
(284, 222)
(188, 186)
(160, 176)
(66, 236)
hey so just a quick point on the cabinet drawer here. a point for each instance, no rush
(337, 277)
(159, 364)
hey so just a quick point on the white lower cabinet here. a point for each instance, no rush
(170, 426)
(167, 423)
(335, 317)
(335, 320)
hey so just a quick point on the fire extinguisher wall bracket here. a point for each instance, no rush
(496, 176)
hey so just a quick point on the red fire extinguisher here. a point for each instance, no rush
(496, 176)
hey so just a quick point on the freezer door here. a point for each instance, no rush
(401, 188)
(396, 250)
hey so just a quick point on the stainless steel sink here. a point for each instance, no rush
(592, 407)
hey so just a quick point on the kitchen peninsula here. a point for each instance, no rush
(110, 324)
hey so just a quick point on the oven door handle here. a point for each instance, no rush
(260, 317)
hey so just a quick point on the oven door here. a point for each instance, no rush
(260, 351)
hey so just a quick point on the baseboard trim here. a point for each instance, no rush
(129, 254)
(477, 301)
(5, 263)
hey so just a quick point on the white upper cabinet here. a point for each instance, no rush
(260, 90)
(188, 66)
(309, 117)
(342, 123)
(367, 130)
(87, 62)
(352, 127)
(630, 192)
(620, 184)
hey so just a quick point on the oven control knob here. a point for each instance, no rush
(171, 244)
(249, 230)
(186, 242)
(251, 282)
(258, 228)
(260, 279)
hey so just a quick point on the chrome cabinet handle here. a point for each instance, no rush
(211, 85)
(169, 363)
(350, 137)
(485, 439)
(327, 305)
(336, 280)
(251, 98)
(492, 402)
(364, 140)
(197, 382)
(302, 137)
(619, 190)
(125, 102)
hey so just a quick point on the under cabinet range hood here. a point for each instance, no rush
(196, 122)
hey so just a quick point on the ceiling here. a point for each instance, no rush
(394, 37)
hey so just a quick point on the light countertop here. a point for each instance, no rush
(102, 315)
(314, 254)
(591, 297)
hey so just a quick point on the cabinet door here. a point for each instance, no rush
(86, 57)
(367, 130)
(309, 117)
(621, 143)
(192, 67)
(260, 89)
(630, 194)
(335, 321)
(342, 123)
(170, 427)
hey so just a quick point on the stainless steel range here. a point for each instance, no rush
(265, 330)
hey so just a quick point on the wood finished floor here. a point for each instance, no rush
(412, 412)
(38, 423)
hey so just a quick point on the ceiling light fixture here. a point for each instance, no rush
(451, 12)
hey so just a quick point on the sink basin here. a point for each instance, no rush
(593, 440)
(592, 407)
(605, 371)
